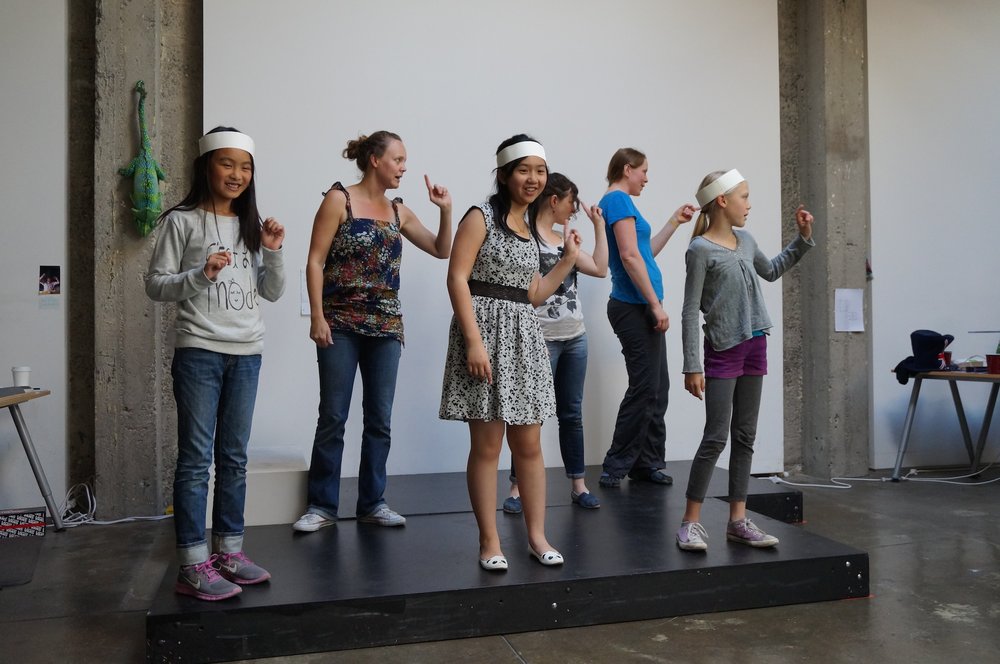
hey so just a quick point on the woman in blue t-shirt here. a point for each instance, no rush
(635, 310)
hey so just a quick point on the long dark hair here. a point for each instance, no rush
(557, 185)
(500, 201)
(245, 206)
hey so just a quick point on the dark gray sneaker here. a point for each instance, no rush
(204, 582)
(236, 567)
(609, 482)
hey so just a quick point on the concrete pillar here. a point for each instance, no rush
(825, 164)
(80, 227)
(158, 42)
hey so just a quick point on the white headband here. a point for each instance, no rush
(722, 185)
(519, 150)
(225, 139)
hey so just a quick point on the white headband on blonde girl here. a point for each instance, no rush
(723, 184)
(518, 151)
(225, 139)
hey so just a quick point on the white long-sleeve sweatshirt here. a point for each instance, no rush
(221, 315)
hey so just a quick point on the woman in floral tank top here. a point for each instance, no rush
(352, 276)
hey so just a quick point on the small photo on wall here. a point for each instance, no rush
(48, 279)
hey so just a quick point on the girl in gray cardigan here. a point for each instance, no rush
(723, 263)
(216, 259)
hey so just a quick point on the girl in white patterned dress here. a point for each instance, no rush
(497, 374)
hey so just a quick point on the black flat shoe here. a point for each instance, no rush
(655, 476)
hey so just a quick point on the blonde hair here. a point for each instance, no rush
(707, 210)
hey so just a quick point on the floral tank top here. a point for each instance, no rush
(361, 275)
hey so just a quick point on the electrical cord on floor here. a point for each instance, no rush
(837, 482)
(910, 476)
(951, 480)
(87, 502)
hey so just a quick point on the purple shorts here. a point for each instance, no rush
(748, 358)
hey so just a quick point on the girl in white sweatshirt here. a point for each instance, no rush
(215, 258)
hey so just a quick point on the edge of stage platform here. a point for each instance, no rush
(357, 585)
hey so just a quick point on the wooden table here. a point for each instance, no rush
(953, 378)
(12, 403)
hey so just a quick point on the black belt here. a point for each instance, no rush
(498, 291)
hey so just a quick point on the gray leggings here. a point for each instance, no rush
(731, 407)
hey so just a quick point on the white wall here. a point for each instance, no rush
(33, 182)
(934, 109)
(454, 78)
(303, 90)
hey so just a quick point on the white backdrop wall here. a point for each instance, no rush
(33, 182)
(318, 73)
(694, 85)
(934, 108)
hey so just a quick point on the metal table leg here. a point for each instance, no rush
(36, 466)
(987, 419)
(907, 425)
(964, 423)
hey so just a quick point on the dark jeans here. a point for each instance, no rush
(378, 359)
(569, 369)
(639, 439)
(731, 409)
(215, 395)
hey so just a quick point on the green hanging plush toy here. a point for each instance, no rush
(146, 174)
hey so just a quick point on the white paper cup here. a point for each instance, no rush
(22, 376)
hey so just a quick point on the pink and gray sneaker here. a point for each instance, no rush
(236, 567)
(203, 582)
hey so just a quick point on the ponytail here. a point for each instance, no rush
(705, 218)
(701, 224)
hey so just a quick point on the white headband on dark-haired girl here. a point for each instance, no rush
(518, 151)
(225, 139)
(724, 183)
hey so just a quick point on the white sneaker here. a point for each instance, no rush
(310, 523)
(383, 516)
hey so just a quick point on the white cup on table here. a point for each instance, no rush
(22, 376)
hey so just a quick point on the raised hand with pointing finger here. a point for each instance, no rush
(438, 194)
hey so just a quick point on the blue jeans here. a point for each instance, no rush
(378, 359)
(569, 369)
(215, 395)
(640, 436)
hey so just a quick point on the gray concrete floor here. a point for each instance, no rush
(935, 568)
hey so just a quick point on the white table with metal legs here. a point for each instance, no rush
(12, 403)
(953, 378)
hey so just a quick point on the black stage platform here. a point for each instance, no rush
(358, 585)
